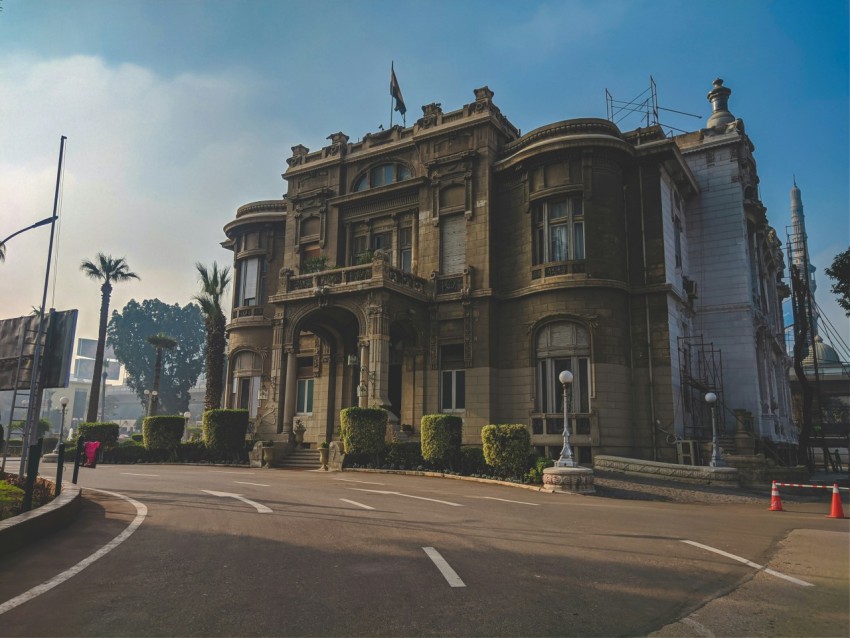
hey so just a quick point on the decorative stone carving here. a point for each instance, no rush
(577, 480)
(299, 154)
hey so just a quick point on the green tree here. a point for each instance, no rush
(839, 272)
(160, 342)
(106, 269)
(213, 284)
(181, 365)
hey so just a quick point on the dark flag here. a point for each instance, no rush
(395, 91)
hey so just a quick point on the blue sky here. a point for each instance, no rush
(179, 112)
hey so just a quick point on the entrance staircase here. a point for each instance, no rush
(300, 459)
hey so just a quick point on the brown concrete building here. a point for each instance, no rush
(458, 266)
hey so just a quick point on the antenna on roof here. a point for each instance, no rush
(646, 104)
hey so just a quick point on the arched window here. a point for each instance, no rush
(381, 176)
(246, 371)
(563, 346)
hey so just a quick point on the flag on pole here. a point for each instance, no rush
(395, 91)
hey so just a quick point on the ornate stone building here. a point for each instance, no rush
(458, 266)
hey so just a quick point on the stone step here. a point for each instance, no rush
(300, 459)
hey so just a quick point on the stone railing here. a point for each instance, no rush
(724, 476)
(378, 272)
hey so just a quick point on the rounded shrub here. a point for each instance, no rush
(363, 430)
(162, 432)
(441, 438)
(506, 448)
(472, 461)
(106, 433)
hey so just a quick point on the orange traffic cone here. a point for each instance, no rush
(775, 502)
(837, 508)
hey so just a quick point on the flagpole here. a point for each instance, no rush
(392, 71)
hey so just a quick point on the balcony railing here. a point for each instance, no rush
(378, 273)
(575, 267)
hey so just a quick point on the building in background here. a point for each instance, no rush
(458, 266)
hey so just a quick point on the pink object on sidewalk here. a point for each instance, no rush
(91, 453)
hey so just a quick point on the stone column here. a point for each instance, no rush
(291, 389)
(363, 383)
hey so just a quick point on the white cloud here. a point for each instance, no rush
(155, 166)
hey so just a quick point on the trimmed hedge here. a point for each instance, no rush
(224, 430)
(472, 461)
(363, 430)
(506, 447)
(106, 433)
(163, 432)
(441, 438)
(138, 438)
(404, 456)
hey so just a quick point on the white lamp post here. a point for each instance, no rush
(64, 403)
(716, 461)
(186, 415)
(147, 402)
(566, 460)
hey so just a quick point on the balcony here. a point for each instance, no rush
(337, 281)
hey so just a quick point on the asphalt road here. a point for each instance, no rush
(354, 554)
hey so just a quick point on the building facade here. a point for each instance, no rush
(458, 266)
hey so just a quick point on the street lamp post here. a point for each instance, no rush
(566, 459)
(147, 402)
(64, 403)
(153, 406)
(716, 461)
(186, 415)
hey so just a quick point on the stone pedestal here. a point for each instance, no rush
(50, 457)
(573, 480)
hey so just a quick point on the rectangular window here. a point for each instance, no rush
(383, 241)
(358, 249)
(304, 403)
(452, 379)
(677, 239)
(452, 244)
(405, 248)
(559, 230)
(249, 278)
(246, 391)
(550, 394)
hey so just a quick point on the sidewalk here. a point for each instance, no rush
(769, 606)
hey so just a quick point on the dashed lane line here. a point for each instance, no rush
(356, 481)
(257, 484)
(445, 569)
(262, 509)
(505, 500)
(365, 507)
(750, 563)
(421, 498)
(38, 590)
(133, 474)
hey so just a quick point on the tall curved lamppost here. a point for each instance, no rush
(716, 461)
(566, 459)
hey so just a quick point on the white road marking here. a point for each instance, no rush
(257, 484)
(355, 481)
(141, 513)
(750, 563)
(230, 472)
(445, 569)
(131, 474)
(365, 507)
(421, 498)
(504, 500)
(262, 509)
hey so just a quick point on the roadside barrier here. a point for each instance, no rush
(836, 511)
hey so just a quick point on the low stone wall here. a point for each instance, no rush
(723, 476)
(19, 530)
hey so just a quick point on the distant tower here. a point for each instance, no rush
(800, 248)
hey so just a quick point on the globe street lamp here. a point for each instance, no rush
(566, 459)
(147, 401)
(186, 415)
(154, 404)
(716, 461)
(64, 403)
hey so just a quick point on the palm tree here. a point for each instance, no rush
(213, 284)
(161, 342)
(2, 251)
(108, 270)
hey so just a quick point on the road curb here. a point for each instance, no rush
(20, 530)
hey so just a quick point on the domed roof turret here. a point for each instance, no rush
(826, 354)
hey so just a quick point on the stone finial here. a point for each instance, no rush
(483, 94)
(338, 138)
(435, 108)
(719, 98)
